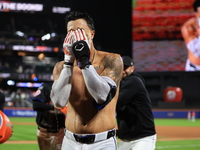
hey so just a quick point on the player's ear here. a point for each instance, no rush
(133, 68)
(92, 34)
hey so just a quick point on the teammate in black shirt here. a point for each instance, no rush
(50, 121)
(136, 128)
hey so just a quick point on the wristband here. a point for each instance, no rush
(84, 62)
(68, 63)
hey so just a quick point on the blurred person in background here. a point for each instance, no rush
(2, 100)
(136, 128)
(191, 35)
(16, 98)
(50, 121)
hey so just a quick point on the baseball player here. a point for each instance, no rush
(136, 129)
(50, 121)
(88, 82)
(191, 35)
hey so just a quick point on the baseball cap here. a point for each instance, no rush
(127, 61)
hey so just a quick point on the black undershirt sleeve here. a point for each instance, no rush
(126, 93)
(40, 106)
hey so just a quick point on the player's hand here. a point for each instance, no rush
(81, 48)
(67, 48)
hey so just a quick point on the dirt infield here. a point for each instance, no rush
(169, 133)
(164, 133)
(24, 123)
(20, 142)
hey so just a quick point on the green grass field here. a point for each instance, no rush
(22, 132)
(178, 145)
(177, 122)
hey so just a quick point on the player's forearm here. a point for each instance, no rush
(61, 88)
(98, 86)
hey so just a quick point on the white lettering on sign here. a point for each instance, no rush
(7, 6)
(29, 7)
(60, 10)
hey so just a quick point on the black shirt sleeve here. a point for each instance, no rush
(129, 88)
(42, 98)
(40, 106)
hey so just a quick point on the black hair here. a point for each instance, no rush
(74, 15)
(196, 4)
